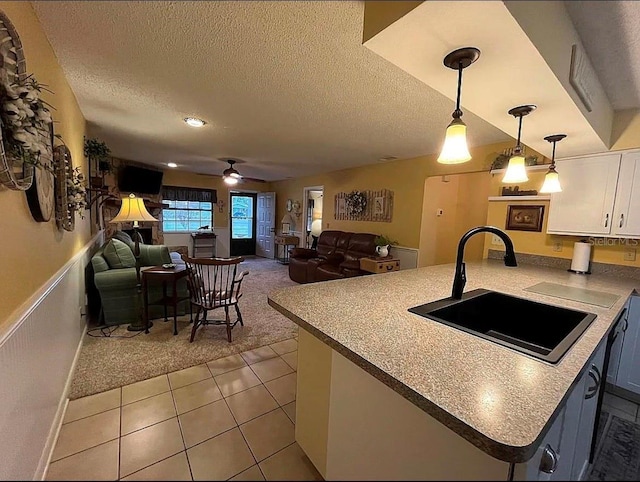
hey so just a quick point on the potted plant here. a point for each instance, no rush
(97, 152)
(382, 245)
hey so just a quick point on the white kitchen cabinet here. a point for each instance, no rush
(628, 375)
(586, 203)
(626, 213)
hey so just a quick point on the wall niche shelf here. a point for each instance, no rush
(520, 198)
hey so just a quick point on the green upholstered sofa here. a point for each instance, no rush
(117, 285)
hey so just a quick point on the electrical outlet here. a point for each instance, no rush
(557, 246)
(630, 254)
(439, 212)
(495, 240)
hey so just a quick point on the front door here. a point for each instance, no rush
(243, 224)
(266, 224)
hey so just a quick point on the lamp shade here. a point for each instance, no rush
(231, 181)
(133, 210)
(551, 183)
(455, 150)
(316, 227)
(516, 171)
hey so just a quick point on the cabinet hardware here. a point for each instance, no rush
(621, 219)
(606, 221)
(549, 460)
(591, 391)
(598, 374)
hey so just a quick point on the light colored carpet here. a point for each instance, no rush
(110, 362)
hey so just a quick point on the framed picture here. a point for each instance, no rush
(378, 205)
(524, 218)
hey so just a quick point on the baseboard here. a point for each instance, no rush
(47, 453)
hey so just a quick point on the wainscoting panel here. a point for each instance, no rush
(408, 256)
(37, 356)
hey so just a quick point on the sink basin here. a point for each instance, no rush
(537, 329)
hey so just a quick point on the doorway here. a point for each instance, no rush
(312, 209)
(266, 224)
(243, 224)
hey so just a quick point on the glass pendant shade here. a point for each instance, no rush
(231, 181)
(455, 150)
(516, 172)
(551, 183)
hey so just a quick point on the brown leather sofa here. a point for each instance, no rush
(337, 256)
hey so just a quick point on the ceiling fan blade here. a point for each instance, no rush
(252, 179)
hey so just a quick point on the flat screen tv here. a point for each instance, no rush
(139, 180)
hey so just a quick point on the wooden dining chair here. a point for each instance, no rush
(214, 283)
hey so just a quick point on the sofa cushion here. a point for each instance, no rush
(125, 238)
(327, 242)
(118, 255)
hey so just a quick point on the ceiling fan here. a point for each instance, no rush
(231, 176)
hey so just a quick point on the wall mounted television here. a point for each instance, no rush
(139, 180)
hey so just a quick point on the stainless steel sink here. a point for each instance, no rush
(537, 329)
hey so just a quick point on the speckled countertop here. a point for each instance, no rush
(500, 400)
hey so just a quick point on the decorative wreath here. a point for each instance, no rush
(356, 202)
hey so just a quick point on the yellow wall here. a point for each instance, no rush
(379, 15)
(463, 201)
(542, 243)
(626, 130)
(404, 177)
(31, 252)
(188, 179)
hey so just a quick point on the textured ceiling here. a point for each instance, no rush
(286, 86)
(610, 32)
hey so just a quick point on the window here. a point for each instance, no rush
(189, 209)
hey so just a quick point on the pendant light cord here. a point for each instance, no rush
(553, 155)
(458, 113)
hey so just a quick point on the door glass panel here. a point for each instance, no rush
(241, 217)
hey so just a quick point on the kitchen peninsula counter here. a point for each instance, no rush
(498, 399)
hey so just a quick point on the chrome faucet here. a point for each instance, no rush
(460, 277)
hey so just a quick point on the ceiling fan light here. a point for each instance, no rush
(455, 149)
(516, 171)
(551, 182)
(231, 181)
(235, 174)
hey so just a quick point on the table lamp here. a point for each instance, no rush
(134, 210)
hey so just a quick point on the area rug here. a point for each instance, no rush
(618, 456)
(126, 357)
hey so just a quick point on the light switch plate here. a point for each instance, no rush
(629, 254)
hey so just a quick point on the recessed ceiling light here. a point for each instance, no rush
(172, 164)
(194, 121)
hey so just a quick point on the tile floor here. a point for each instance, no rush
(229, 419)
(621, 407)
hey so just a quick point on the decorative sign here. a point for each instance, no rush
(364, 206)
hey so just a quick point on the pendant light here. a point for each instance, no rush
(455, 150)
(516, 171)
(551, 180)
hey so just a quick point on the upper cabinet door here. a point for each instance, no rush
(585, 205)
(626, 217)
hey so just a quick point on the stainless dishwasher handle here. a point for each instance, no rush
(549, 460)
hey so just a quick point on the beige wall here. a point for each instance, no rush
(542, 243)
(626, 130)
(31, 252)
(404, 177)
(189, 179)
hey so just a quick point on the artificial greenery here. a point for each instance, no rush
(25, 120)
(356, 202)
(97, 150)
(382, 240)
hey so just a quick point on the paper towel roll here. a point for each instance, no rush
(581, 255)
